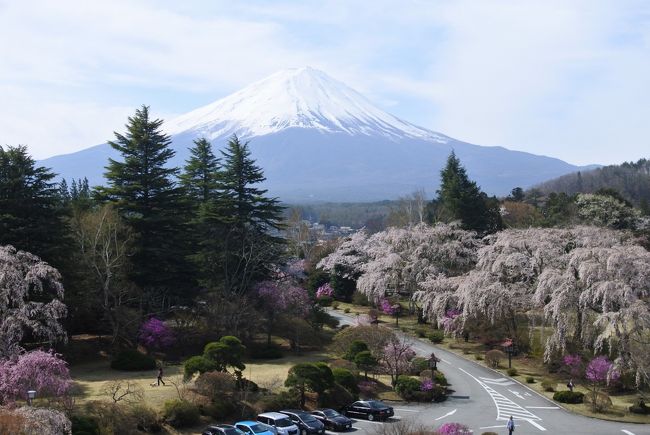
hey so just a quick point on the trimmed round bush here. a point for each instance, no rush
(346, 379)
(478, 357)
(512, 372)
(336, 397)
(493, 357)
(418, 364)
(198, 364)
(181, 413)
(132, 360)
(436, 336)
(346, 310)
(407, 387)
(530, 380)
(569, 397)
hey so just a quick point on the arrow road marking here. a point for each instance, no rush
(491, 427)
(447, 414)
(517, 394)
(627, 432)
(537, 425)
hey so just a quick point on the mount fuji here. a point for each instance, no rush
(319, 140)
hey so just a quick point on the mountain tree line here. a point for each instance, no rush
(152, 237)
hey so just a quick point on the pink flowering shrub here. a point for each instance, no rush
(453, 429)
(44, 372)
(450, 322)
(154, 334)
(386, 307)
(325, 291)
(426, 385)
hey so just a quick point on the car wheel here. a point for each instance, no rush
(371, 417)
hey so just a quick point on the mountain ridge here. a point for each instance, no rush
(319, 140)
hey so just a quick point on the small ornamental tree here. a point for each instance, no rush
(316, 377)
(44, 372)
(155, 335)
(573, 365)
(355, 347)
(365, 361)
(227, 352)
(600, 371)
(396, 358)
(277, 299)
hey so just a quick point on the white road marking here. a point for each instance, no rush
(517, 394)
(445, 361)
(491, 427)
(526, 393)
(447, 415)
(406, 410)
(543, 407)
(506, 407)
(626, 432)
(537, 425)
(498, 381)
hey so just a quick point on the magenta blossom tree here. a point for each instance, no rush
(386, 306)
(600, 371)
(452, 322)
(573, 364)
(155, 335)
(44, 372)
(325, 291)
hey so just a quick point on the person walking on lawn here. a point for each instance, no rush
(160, 376)
(510, 426)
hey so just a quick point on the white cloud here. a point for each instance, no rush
(555, 77)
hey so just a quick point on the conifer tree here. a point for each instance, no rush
(143, 188)
(30, 212)
(200, 175)
(460, 198)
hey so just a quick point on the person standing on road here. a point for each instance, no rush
(570, 385)
(160, 375)
(510, 426)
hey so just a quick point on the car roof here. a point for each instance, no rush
(247, 422)
(273, 415)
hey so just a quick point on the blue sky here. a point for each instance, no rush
(565, 78)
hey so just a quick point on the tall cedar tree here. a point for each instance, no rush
(144, 191)
(250, 218)
(31, 216)
(200, 176)
(459, 198)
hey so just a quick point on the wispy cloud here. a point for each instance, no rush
(560, 77)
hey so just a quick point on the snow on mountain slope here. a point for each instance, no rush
(295, 98)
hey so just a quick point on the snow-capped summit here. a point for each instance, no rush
(296, 97)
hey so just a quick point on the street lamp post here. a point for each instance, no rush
(31, 395)
(510, 348)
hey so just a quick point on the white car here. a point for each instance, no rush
(281, 422)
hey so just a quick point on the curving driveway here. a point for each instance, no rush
(484, 400)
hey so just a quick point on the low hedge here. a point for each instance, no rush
(569, 397)
(132, 360)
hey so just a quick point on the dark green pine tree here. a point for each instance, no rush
(200, 176)
(31, 216)
(247, 218)
(144, 190)
(460, 198)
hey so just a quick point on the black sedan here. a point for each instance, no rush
(369, 409)
(332, 419)
(307, 423)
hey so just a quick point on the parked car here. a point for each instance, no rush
(222, 429)
(369, 409)
(307, 423)
(332, 419)
(255, 428)
(281, 422)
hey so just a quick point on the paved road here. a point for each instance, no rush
(491, 400)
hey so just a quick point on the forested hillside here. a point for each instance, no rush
(631, 180)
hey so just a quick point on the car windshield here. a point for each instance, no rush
(259, 428)
(307, 418)
(283, 422)
(331, 413)
(376, 405)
